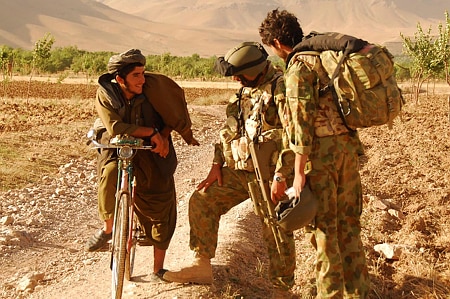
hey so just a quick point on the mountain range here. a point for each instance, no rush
(203, 27)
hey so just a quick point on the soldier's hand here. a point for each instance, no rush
(277, 191)
(299, 183)
(215, 174)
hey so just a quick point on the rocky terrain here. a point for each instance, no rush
(44, 224)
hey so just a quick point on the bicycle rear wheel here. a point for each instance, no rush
(119, 250)
(131, 247)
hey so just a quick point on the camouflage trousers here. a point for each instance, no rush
(341, 270)
(205, 210)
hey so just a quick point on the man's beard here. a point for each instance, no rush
(127, 88)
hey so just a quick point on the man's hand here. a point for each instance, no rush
(215, 174)
(161, 145)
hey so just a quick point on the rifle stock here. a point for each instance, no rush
(261, 154)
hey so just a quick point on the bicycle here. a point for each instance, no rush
(127, 232)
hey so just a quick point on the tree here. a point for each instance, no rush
(41, 52)
(442, 45)
(430, 55)
(5, 61)
(421, 52)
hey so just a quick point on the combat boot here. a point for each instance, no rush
(199, 272)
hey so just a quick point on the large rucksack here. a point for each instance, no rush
(361, 78)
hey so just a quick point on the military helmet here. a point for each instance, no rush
(249, 58)
(296, 212)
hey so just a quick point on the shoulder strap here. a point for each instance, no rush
(240, 117)
(323, 75)
(334, 41)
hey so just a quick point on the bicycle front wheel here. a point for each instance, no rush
(131, 246)
(119, 250)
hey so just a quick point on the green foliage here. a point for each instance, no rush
(182, 67)
(6, 59)
(41, 51)
(22, 61)
(60, 59)
(442, 46)
(430, 55)
(71, 59)
(403, 68)
(277, 61)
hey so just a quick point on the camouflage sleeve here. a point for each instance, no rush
(301, 98)
(218, 154)
(285, 162)
(225, 132)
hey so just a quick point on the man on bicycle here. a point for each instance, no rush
(124, 107)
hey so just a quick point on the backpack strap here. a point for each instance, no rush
(323, 76)
(330, 87)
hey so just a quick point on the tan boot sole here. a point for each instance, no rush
(172, 276)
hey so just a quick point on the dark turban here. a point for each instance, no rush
(119, 61)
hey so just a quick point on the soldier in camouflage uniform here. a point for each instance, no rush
(317, 134)
(261, 97)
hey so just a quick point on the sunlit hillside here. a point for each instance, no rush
(204, 27)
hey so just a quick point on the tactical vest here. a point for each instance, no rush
(251, 114)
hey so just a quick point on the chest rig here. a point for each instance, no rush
(252, 114)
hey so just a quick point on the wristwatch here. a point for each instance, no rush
(279, 179)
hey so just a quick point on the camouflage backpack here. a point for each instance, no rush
(362, 78)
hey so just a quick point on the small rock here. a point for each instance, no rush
(390, 251)
(6, 220)
(29, 281)
(396, 214)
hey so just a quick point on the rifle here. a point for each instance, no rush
(261, 153)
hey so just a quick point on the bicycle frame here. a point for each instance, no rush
(127, 182)
(121, 261)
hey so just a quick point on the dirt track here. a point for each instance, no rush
(406, 168)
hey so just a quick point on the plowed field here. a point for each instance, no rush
(405, 174)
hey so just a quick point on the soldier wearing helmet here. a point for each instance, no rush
(256, 110)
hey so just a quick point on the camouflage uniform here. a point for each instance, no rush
(315, 129)
(206, 207)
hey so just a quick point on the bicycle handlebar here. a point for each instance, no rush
(112, 146)
(118, 142)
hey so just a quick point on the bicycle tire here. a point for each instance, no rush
(119, 251)
(131, 252)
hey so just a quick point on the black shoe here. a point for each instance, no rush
(97, 241)
(159, 276)
(143, 240)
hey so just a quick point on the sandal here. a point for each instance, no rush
(97, 241)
